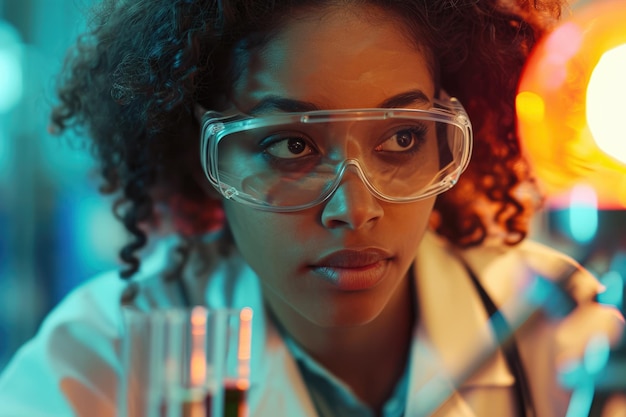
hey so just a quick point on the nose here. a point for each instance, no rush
(351, 205)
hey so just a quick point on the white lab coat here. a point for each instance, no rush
(71, 366)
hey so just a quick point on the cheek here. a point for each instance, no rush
(250, 228)
(410, 221)
(266, 240)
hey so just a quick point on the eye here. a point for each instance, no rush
(403, 140)
(287, 147)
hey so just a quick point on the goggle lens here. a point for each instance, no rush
(291, 161)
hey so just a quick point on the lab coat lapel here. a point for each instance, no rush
(431, 391)
(452, 330)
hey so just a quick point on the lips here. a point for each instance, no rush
(353, 258)
(353, 269)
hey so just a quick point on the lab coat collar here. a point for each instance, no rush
(452, 329)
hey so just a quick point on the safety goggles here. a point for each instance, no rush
(293, 161)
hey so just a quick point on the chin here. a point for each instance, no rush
(345, 315)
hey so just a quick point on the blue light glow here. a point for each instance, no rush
(88, 237)
(583, 214)
(581, 400)
(6, 152)
(614, 293)
(11, 83)
(595, 359)
(596, 354)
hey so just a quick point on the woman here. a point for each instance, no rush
(377, 278)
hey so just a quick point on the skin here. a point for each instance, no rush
(336, 58)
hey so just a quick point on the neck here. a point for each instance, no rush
(357, 355)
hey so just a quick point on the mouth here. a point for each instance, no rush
(353, 270)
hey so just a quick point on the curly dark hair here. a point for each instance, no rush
(131, 82)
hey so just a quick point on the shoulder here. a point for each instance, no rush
(74, 356)
(96, 303)
(521, 264)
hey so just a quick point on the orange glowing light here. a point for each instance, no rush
(568, 121)
(530, 107)
(198, 365)
(246, 314)
(198, 369)
(198, 317)
(245, 347)
(242, 384)
(245, 334)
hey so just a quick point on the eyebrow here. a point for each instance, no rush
(274, 103)
(406, 99)
(277, 103)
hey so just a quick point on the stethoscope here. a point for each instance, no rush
(504, 332)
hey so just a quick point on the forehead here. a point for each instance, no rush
(335, 58)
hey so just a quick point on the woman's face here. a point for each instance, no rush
(340, 262)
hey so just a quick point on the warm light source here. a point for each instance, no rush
(605, 103)
(571, 104)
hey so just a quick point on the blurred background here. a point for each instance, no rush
(56, 230)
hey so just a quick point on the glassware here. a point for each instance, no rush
(182, 362)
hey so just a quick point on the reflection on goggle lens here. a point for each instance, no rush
(291, 161)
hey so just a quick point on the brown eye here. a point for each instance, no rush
(288, 147)
(402, 140)
(296, 146)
